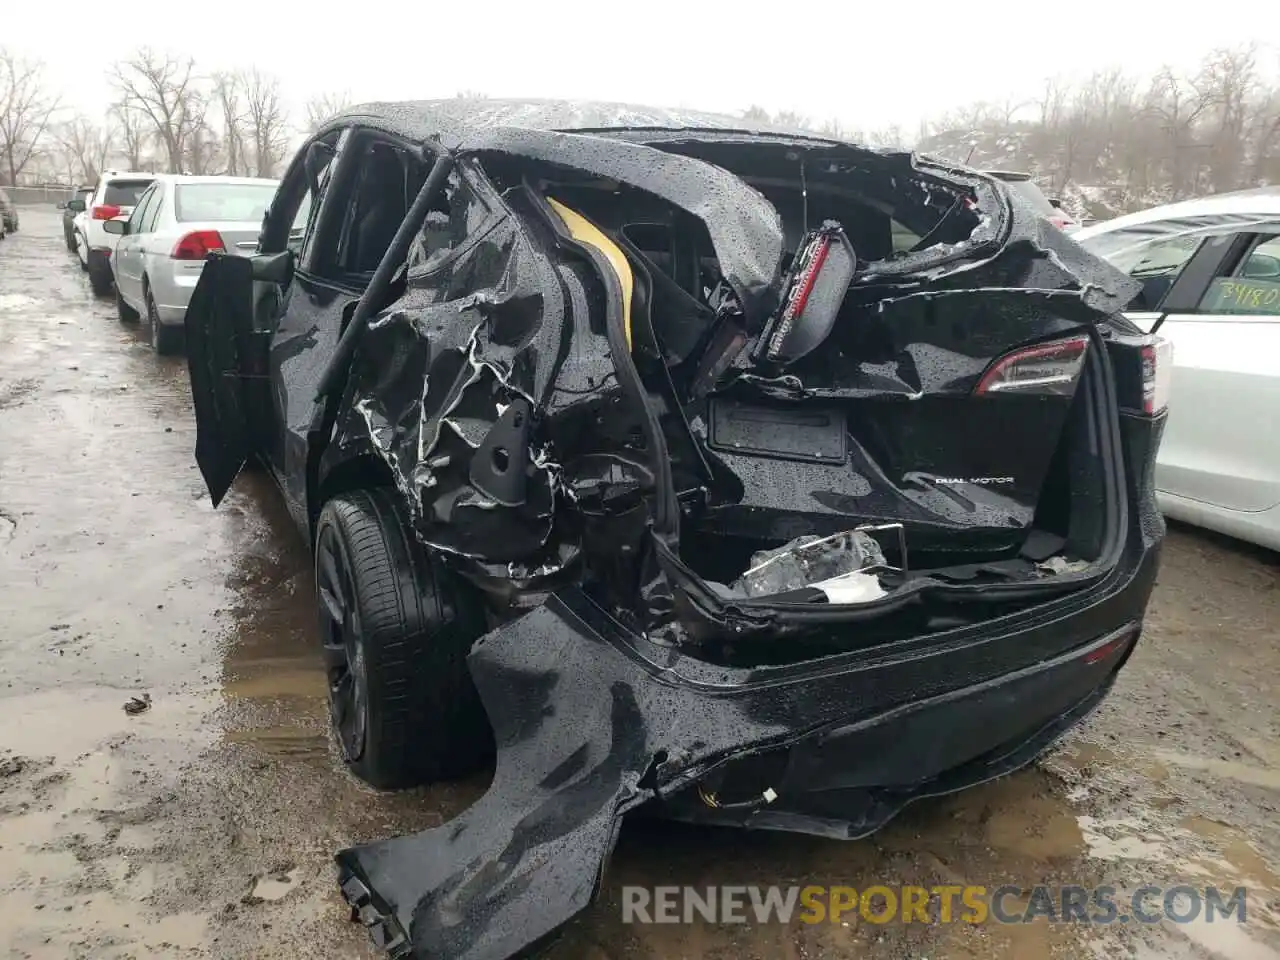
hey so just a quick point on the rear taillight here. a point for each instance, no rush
(1060, 222)
(1046, 368)
(1157, 374)
(198, 244)
(823, 269)
(105, 211)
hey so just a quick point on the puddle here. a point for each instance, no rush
(1224, 769)
(1227, 939)
(1123, 838)
(277, 886)
(16, 301)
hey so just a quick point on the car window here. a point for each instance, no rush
(303, 230)
(124, 193)
(459, 214)
(140, 211)
(1252, 288)
(1155, 261)
(153, 209)
(903, 238)
(387, 181)
(222, 202)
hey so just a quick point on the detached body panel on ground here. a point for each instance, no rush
(754, 477)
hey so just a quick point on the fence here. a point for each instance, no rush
(28, 196)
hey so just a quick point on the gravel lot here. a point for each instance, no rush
(204, 826)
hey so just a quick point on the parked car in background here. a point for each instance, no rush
(115, 194)
(1210, 273)
(598, 422)
(161, 246)
(1048, 207)
(8, 214)
(73, 207)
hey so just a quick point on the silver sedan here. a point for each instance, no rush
(163, 244)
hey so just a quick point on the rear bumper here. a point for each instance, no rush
(172, 282)
(593, 722)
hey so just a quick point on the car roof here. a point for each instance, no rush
(108, 175)
(1011, 176)
(1259, 201)
(457, 121)
(191, 178)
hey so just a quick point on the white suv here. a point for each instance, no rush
(115, 195)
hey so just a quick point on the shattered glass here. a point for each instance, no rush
(809, 560)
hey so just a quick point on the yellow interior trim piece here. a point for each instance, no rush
(584, 231)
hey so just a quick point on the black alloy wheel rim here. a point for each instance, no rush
(340, 632)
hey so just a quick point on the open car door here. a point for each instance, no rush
(219, 329)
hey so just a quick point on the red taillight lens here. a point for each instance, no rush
(198, 245)
(105, 211)
(1157, 374)
(1047, 368)
(1060, 222)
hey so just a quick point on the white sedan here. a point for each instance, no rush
(163, 242)
(1210, 271)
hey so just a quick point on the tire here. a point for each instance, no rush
(125, 312)
(396, 628)
(100, 281)
(70, 237)
(82, 252)
(165, 340)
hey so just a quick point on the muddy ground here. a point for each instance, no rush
(203, 827)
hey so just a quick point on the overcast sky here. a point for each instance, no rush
(868, 64)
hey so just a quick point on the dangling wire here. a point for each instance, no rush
(804, 196)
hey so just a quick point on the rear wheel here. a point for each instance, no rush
(100, 279)
(165, 340)
(125, 312)
(396, 629)
(82, 251)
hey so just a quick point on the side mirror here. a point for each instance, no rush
(119, 226)
(75, 205)
(274, 268)
(1260, 266)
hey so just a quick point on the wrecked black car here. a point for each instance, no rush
(748, 476)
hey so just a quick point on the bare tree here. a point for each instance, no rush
(167, 92)
(26, 105)
(1110, 144)
(228, 89)
(267, 122)
(86, 146)
(790, 118)
(324, 106)
(132, 126)
(1229, 81)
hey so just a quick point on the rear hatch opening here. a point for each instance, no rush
(912, 428)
